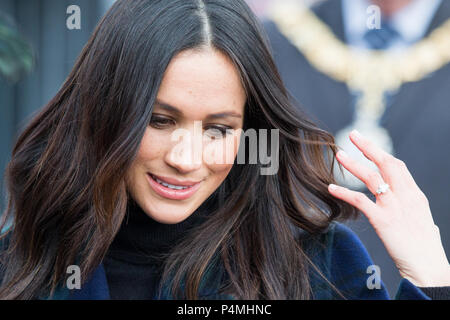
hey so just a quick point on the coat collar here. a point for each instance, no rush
(96, 288)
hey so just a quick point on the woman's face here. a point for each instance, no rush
(186, 153)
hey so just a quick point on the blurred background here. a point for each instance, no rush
(37, 52)
(260, 7)
(40, 52)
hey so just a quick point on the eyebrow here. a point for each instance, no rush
(175, 110)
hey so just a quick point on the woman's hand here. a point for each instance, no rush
(401, 216)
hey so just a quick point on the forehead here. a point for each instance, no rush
(201, 82)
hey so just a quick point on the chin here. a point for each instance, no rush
(168, 214)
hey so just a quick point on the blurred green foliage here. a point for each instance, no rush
(16, 54)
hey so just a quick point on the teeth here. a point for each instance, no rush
(171, 186)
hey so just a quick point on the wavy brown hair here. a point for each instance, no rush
(66, 179)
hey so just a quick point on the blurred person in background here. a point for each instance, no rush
(260, 7)
(381, 67)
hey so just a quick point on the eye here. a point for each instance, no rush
(160, 122)
(218, 131)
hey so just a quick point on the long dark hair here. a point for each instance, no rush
(67, 192)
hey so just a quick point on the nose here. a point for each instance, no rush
(185, 155)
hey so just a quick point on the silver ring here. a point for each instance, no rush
(383, 188)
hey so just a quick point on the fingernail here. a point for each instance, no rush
(333, 187)
(356, 133)
(342, 154)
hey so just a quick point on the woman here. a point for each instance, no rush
(113, 176)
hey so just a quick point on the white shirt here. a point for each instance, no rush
(411, 22)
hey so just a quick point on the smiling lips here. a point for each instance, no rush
(171, 188)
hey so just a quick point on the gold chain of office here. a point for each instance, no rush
(370, 72)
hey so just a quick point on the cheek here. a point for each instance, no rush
(219, 155)
(151, 149)
(152, 146)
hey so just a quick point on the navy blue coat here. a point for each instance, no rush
(339, 254)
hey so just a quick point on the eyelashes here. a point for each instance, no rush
(159, 122)
(213, 131)
(218, 131)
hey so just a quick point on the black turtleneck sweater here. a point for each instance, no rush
(135, 259)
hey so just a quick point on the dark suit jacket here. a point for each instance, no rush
(418, 120)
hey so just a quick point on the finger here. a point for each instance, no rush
(357, 199)
(369, 149)
(371, 178)
(392, 170)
